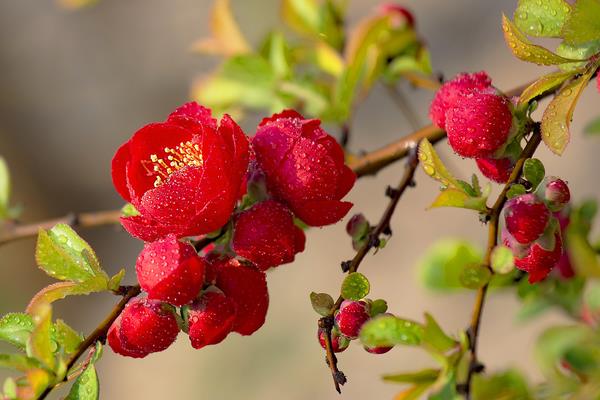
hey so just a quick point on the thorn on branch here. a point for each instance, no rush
(346, 265)
(374, 241)
(340, 377)
(391, 192)
(462, 388)
(477, 367)
(387, 230)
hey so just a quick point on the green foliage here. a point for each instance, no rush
(87, 386)
(545, 84)
(515, 190)
(40, 345)
(389, 330)
(503, 385)
(15, 329)
(355, 286)
(129, 210)
(583, 24)
(474, 276)
(502, 260)
(435, 338)
(543, 18)
(442, 265)
(593, 128)
(322, 303)
(536, 298)
(67, 338)
(4, 188)
(534, 171)
(378, 306)
(581, 51)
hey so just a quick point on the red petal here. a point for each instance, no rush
(345, 181)
(321, 212)
(119, 170)
(237, 143)
(300, 240)
(192, 115)
(284, 114)
(148, 230)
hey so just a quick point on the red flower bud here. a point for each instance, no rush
(496, 169)
(351, 317)
(170, 270)
(247, 287)
(556, 193)
(534, 259)
(378, 350)
(339, 343)
(210, 319)
(304, 167)
(266, 235)
(183, 175)
(526, 218)
(451, 91)
(145, 326)
(399, 14)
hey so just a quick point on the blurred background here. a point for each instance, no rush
(75, 85)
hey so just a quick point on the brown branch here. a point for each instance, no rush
(13, 230)
(373, 240)
(494, 220)
(99, 334)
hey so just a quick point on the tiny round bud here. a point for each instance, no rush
(557, 193)
(210, 319)
(339, 343)
(351, 317)
(526, 218)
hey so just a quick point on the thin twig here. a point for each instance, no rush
(494, 220)
(99, 334)
(373, 240)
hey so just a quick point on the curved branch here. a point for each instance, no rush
(382, 227)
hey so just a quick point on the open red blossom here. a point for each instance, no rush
(266, 235)
(210, 319)
(170, 270)
(183, 175)
(247, 287)
(304, 167)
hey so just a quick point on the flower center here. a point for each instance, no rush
(184, 155)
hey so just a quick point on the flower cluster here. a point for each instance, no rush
(192, 177)
(480, 122)
(533, 229)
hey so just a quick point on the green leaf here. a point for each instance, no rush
(389, 330)
(67, 337)
(557, 116)
(543, 18)
(424, 376)
(582, 255)
(15, 329)
(583, 24)
(10, 388)
(524, 50)
(355, 286)
(593, 128)
(87, 386)
(534, 171)
(434, 336)
(474, 276)
(433, 165)
(277, 55)
(328, 59)
(62, 254)
(504, 385)
(502, 260)
(129, 210)
(115, 281)
(305, 92)
(39, 345)
(515, 190)
(4, 188)
(555, 342)
(60, 290)
(18, 362)
(544, 84)
(441, 266)
(322, 303)
(378, 306)
(458, 198)
(583, 51)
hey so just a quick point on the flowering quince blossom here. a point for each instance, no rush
(304, 167)
(182, 175)
(266, 235)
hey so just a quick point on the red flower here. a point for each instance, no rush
(210, 319)
(304, 167)
(266, 235)
(183, 175)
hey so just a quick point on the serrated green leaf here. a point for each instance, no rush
(87, 386)
(583, 51)
(18, 362)
(524, 50)
(389, 330)
(424, 376)
(583, 24)
(67, 337)
(593, 128)
(433, 165)
(534, 171)
(474, 276)
(434, 336)
(544, 18)
(515, 190)
(15, 329)
(502, 260)
(544, 84)
(115, 281)
(457, 198)
(322, 303)
(39, 345)
(60, 290)
(441, 266)
(557, 116)
(378, 306)
(63, 254)
(355, 287)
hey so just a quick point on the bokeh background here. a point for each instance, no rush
(75, 85)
